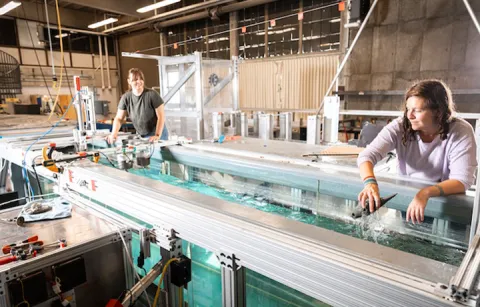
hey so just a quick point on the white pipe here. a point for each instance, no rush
(364, 23)
(472, 14)
(180, 11)
(108, 62)
(101, 61)
(222, 10)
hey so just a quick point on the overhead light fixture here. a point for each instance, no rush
(102, 23)
(157, 5)
(9, 6)
(335, 20)
(63, 35)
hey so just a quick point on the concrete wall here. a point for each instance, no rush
(139, 41)
(407, 40)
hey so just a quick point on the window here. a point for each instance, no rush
(8, 34)
(252, 42)
(56, 39)
(80, 42)
(110, 43)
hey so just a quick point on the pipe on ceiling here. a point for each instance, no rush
(221, 10)
(170, 14)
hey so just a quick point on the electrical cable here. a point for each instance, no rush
(50, 41)
(36, 55)
(22, 198)
(61, 58)
(108, 159)
(239, 28)
(159, 286)
(180, 296)
(23, 296)
(25, 174)
(132, 264)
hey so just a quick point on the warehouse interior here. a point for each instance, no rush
(237, 175)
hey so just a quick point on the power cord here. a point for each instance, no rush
(25, 174)
(159, 286)
(23, 296)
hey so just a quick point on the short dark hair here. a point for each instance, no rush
(438, 98)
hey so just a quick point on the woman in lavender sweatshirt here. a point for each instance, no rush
(431, 144)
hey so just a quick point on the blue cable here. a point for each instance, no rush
(25, 174)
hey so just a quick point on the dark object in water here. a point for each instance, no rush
(359, 211)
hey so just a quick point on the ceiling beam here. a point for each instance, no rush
(121, 7)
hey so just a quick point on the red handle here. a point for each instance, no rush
(31, 239)
(7, 260)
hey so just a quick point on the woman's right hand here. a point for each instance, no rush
(372, 193)
(111, 139)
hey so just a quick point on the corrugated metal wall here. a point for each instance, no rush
(293, 83)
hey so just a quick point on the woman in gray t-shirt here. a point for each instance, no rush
(144, 107)
(431, 144)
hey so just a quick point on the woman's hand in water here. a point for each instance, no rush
(416, 209)
(154, 138)
(372, 193)
(111, 139)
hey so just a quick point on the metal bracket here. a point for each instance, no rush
(229, 261)
(145, 239)
(166, 238)
(233, 280)
(463, 286)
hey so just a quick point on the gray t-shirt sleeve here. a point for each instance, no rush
(155, 99)
(122, 105)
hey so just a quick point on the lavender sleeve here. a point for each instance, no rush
(462, 158)
(385, 142)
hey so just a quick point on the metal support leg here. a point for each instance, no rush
(199, 95)
(331, 117)
(235, 119)
(476, 201)
(235, 86)
(265, 130)
(255, 123)
(244, 124)
(170, 247)
(233, 281)
(286, 126)
(313, 129)
(217, 124)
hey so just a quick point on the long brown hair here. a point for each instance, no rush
(136, 74)
(437, 97)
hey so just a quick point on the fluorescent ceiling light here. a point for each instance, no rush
(157, 5)
(335, 20)
(63, 35)
(102, 23)
(9, 6)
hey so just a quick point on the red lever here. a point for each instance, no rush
(8, 260)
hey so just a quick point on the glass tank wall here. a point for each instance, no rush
(435, 239)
